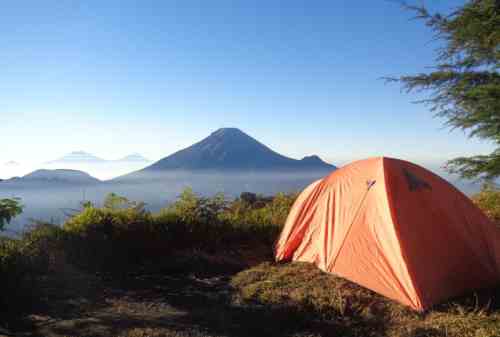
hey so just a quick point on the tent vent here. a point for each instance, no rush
(414, 182)
(370, 183)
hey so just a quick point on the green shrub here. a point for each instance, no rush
(272, 211)
(489, 201)
(191, 208)
(109, 237)
(261, 218)
(9, 209)
(42, 244)
(115, 201)
(15, 277)
(105, 220)
(122, 234)
(23, 262)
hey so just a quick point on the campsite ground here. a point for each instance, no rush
(191, 296)
(129, 273)
(196, 294)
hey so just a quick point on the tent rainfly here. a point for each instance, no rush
(395, 228)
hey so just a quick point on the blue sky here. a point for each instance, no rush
(118, 77)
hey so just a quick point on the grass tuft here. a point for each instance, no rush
(318, 296)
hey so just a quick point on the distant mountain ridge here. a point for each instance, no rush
(74, 177)
(230, 149)
(11, 163)
(228, 161)
(135, 157)
(77, 157)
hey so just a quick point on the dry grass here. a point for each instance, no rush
(289, 300)
(315, 295)
(164, 332)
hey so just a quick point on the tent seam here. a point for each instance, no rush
(350, 227)
(392, 213)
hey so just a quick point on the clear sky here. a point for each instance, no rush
(118, 77)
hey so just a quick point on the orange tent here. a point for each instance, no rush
(395, 228)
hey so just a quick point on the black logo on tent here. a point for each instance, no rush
(414, 182)
(370, 183)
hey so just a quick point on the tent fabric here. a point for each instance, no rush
(395, 228)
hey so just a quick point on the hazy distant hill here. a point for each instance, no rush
(134, 158)
(53, 177)
(82, 157)
(11, 163)
(230, 149)
(77, 157)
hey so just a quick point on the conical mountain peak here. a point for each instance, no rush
(228, 132)
(232, 149)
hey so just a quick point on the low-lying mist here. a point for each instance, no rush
(54, 201)
(102, 171)
(50, 201)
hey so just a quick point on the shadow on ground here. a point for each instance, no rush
(167, 302)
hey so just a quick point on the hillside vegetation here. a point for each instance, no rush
(203, 267)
